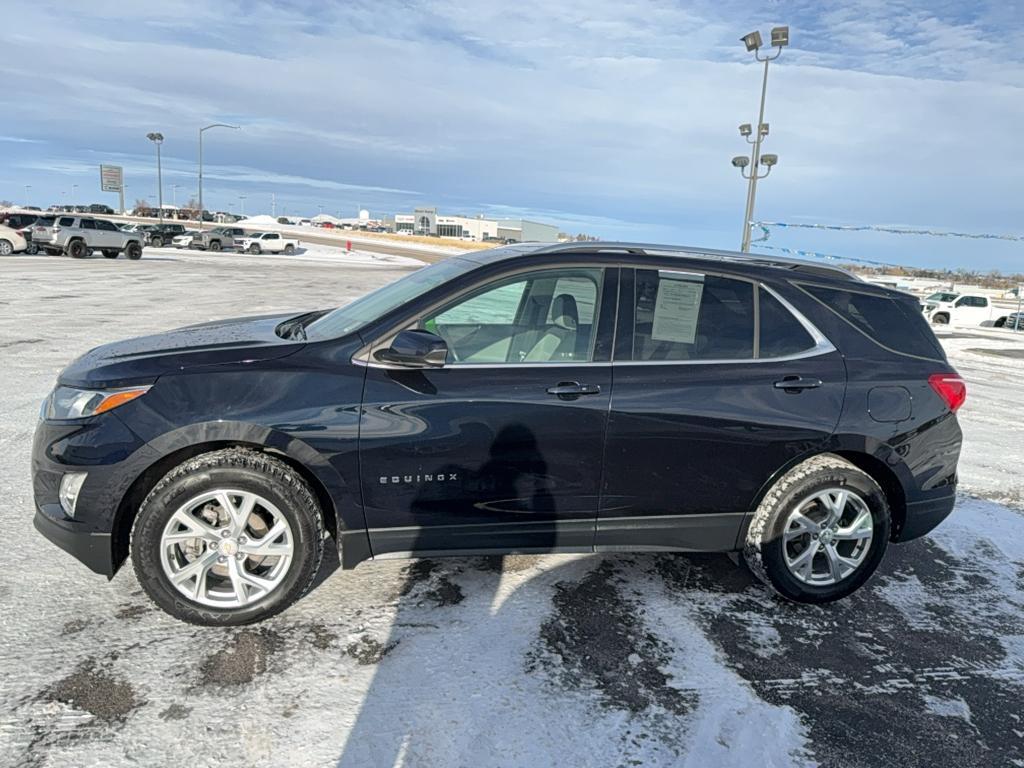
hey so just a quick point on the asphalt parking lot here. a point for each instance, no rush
(583, 660)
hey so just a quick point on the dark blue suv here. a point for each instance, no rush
(571, 398)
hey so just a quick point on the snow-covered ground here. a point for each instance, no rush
(652, 660)
(304, 253)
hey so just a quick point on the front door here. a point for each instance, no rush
(501, 449)
(701, 416)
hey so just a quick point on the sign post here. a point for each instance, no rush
(112, 180)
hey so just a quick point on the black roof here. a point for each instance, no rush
(646, 249)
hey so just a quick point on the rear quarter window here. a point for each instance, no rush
(896, 324)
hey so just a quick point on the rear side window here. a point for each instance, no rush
(781, 333)
(692, 316)
(67, 222)
(88, 224)
(893, 324)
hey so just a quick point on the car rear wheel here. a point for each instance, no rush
(111, 254)
(156, 242)
(77, 249)
(820, 532)
(289, 249)
(215, 245)
(133, 251)
(227, 538)
(32, 249)
(6, 248)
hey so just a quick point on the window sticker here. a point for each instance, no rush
(676, 309)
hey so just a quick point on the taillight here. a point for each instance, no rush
(950, 387)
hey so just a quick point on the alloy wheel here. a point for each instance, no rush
(227, 548)
(827, 536)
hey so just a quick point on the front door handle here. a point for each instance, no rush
(797, 383)
(573, 389)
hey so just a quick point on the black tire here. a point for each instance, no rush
(940, 319)
(77, 249)
(255, 249)
(156, 242)
(6, 248)
(32, 249)
(133, 251)
(244, 470)
(764, 549)
(215, 245)
(111, 254)
(289, 249)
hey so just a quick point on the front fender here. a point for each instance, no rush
(347, 510)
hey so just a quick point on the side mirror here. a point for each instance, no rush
(417, 349)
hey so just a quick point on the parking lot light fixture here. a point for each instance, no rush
(158, 139)
(201, 132)
(753, 42)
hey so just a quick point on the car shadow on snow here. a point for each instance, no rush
(500, 661)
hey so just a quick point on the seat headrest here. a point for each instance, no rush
(564, 313)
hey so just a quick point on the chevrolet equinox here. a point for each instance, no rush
(569, 398)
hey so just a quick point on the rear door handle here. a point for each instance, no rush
(573, 389)
(797, 383)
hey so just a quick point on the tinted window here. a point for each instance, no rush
(542, 317)
(892, 323)
(67, 222)
(88, 224)
(106, 226)
(781, 333)
(691, 316)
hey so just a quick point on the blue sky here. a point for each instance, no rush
(615, 118)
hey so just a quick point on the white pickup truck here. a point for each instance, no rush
(946, 308)
(269, 242)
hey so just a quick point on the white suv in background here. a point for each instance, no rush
(79, 236)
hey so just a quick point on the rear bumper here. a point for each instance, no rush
(924, 515)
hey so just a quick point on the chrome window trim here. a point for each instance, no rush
(822, 345)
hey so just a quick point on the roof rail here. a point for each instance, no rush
(708, 254)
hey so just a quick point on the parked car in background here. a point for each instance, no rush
(269, 242)
(18, 220)
(11, 241)
(963, 309)
(158, 235)
(79, 236)
(1015, 320)
(217, 239)
(101, 209)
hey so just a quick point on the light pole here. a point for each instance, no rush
(74, 194)
(174, 195)
(242, 205)
(780, 39)
(201, 132)
(158, 139)
(28, 188)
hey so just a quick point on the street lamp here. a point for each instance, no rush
(242, 204)
(28, 188)
(753, 42)
(174, 195)
(74, 194)
(158, 139)
(201, 132)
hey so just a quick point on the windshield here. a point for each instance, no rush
(940, 296)
(371, 306)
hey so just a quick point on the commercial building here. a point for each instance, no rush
(427, 221)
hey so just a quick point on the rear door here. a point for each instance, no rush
(499, 450)
(719, 384)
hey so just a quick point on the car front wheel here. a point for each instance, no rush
(255, 249)
(820, 532)
(133, 251)
(227, 538)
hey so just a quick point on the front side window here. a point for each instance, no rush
(106, 226)
(540, 317)
(692, 316)
(88, 224)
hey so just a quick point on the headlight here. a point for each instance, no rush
(71, 403)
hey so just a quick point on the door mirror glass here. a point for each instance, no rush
(416, 349)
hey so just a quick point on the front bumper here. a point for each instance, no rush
(113, 456)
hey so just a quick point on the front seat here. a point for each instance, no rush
(558, 342)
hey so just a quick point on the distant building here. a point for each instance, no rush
(427, 221)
